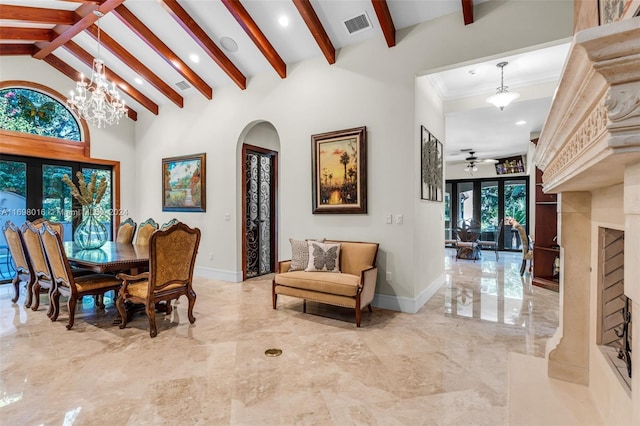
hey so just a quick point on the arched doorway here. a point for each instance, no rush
(259, 163)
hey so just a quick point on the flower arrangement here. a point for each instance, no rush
(87, 194)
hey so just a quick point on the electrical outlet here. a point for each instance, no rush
(388, 219)
(227, 217)
(399, 219)
(211, 256)
(388, 276)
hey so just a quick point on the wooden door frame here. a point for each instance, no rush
(274, 205)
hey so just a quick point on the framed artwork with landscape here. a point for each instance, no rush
(431, 181)
(183, 183)
(617, 10)
(339, 171)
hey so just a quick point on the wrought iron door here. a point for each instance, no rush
(259, 210)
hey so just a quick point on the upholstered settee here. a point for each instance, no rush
(353, 287)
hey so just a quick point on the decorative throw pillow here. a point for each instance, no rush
(299, 254)
(323, 257)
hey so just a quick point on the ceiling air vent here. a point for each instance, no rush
(183, 85)
(358, 24)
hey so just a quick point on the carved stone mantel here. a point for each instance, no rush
(591, 140)
(593, 128)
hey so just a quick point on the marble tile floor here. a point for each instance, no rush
(445, 365)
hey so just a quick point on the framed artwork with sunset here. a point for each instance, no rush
(339, 167)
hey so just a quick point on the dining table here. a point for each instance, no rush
(112, 257)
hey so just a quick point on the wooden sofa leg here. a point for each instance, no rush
(274, 296)
(358, 311)
(370, 308)
(304, 306)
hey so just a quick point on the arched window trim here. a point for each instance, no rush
(44, 143)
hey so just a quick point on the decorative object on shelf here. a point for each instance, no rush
(339, 175)
(431, 166)
(183, 183)
(624, 353)
(90, 233)
(509, 165)
(503, 97)
(97, 100)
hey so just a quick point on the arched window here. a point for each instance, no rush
(27, 110)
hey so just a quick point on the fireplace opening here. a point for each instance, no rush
(614, 308)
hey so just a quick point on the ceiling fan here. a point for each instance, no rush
(472, 162)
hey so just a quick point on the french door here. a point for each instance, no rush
(259, 177)
(32, 188)
(488, 202)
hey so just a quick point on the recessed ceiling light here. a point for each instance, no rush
(521, 122)
(138, 80)
(283, 21)
(229, 44)
(194, 58)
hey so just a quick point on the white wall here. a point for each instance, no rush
(111, 143)
(369, 85)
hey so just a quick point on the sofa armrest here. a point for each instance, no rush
(368, 280)
(283, 266)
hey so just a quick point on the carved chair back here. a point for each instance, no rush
(172, 257)
(145, 230)
(17, 248)
(33, 243)
(125, 231)
(58, 263)
(56, 226)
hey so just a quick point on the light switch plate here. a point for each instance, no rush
(389, 219)
(399, 219)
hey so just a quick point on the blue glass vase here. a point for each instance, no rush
(91, 233)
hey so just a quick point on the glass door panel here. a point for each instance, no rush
(104, 208)
(448, 234)
(13, 206)
(489, 210)
(56, 197)
(465, 202)
(515, 206)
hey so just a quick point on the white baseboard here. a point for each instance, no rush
(408, 304)
(218, 274)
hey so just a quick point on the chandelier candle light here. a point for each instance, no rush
(503, 97)
(97, 100)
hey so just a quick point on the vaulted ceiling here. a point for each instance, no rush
(163, 51)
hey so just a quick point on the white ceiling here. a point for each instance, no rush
(471, 123)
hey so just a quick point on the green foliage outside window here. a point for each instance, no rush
(13, 176)
(29, 111)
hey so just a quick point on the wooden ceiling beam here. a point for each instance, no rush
(37, 14)
(247, 23)
(126, 87)
(74, 75)
(386, 21)
(66, 33)
(146, 35)
(16, 49)
(467, 11)
(205, 42)
(19, 33)
(132, 62)
(317, 30)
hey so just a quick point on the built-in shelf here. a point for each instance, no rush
(551, 249)
(544, 256)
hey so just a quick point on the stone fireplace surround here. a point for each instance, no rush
(589, 152)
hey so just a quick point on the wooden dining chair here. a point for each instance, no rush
(145, 230)
(33, 245)
(172, 256)
(125, 231)
(169, 224)
(65, 283)
(23, 268)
